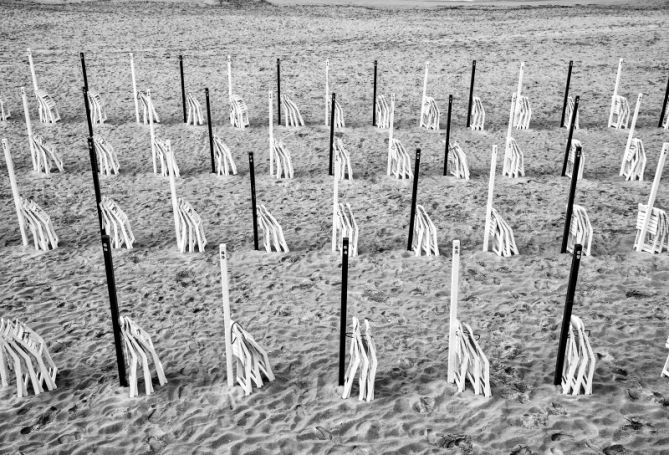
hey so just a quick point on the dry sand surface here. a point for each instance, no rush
(290, 302)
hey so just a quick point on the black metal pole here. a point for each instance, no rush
(211, 135)
(113, 303)
(570, 202)
(664, 105)
(566, 93)
(471, 94)
(252, 173)
(412, 216)
(448, 133)
(96, 181)
(83, 69)
(342, 314)
(566, 316)
(574, 112)
(183, 87)
(278, 89)
(332, 121)
(374, 97)
(88, 112)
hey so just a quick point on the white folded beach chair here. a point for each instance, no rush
(239, 112)
(466, 359)
(429, 112)
(478, 115)
(239, 115)
(342, 160)
(162, 147)
(39, 223)
(45, 156)
(116, 224)
(25, 353)
(339, 115)
(620, 109)
(280, 156)
(579, 363)
(95, 102)
(223, 161)
(652, 223)
(107, 160)
(503, 242)
(569, 112)
(5, 114)
(46, 106)
(634, 158)
(362, 356)
(139, 351)
(149, 113)
(343, 221)
(457, 162)
(514, 163)
(399, 162)
(273, 233)
(191, 229)
(571, 158)
(382, 112)
(522, 112)
(580, 230)
(665, 125)
(291, 112)
(425, 234)
(250, 359)
(193, 111)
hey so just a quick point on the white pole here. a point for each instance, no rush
(455, 272)
(390, 130)
(169, 157)
(29, 127)
(327, 88)
(615, 89)
(152, 131)
(32, 69)
(15, 191)
(271, 134)
(335, 202)
(229, 78)
(134, 87)
(422, 103)
(488, 210)
(520, 80)
(653, 194)
(631, 133)
(226, 313)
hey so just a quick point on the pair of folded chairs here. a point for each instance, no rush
(116, 224)
(346, 226)
(522, 113)
(5, 114)
(579, 363)
(44, 156)
(382, 112)
(503, 242)
(106, 155)
(362, 356)
(40, 225)
(223, 161)
(425, 234)
(95, 102)
(193, 111)
(514, 162)
(149, 114)
(457, 162)
(191, 228)
(139, 350)
(399, 161)
(291, 112)
(273, 233)
(429, 114)
(342, 161)
(580, 230)
(657, 231)
(239, 112)
(162, 148)
(478, 115)
(339, 114)
(470, 362)
(634, 161)
(250, 359)
(25, 353)
(620, 112)
(571, 159)
(569, 112)
(280, 157)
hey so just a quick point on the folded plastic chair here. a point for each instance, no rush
(568, 113)
(116, 224)
(5, 114)
(514, 163)
(665, 369)
(363, 358)
(634, 158)
(106, 155)
(45, 157)
(291, 112)
(223, 161)
(39, 223)
(521, 110)
(580, 230)
(339, 115)
(149, 113)
(342, 160)
(191, 228)
(382, 112)
(193, 111)
(478, 115)
(571, 158)
(620, 109)
(429, 112)
(272, 230)
(162, 149)
(251, 361)
(425, 234)
(457, 162)
(139, 350)
(95, 102)
(239, 112)
(579, 365)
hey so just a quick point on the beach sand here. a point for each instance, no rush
(290, 302)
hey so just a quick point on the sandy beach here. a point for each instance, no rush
(290, 302)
